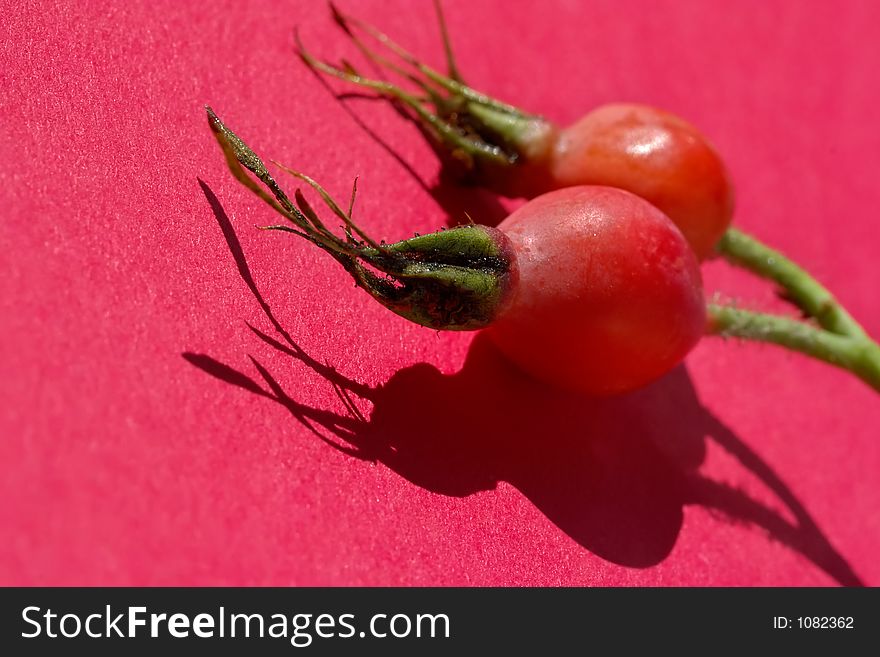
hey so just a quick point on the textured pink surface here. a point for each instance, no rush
(126, 463)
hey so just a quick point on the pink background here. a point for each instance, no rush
(126, 462)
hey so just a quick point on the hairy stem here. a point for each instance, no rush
(857, 354)
(800, 288)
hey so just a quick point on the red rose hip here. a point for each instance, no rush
(609, 294)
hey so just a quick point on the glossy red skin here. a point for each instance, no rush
(655, 155)
(609, 295)
(641, 149)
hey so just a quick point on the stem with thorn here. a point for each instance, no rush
(839, 339)
(860, 356)
(799, 287)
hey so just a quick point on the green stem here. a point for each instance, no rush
(858, 355)
(800, 288)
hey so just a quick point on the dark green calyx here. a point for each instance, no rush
(457, 279)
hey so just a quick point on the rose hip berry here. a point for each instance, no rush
(609, 295)
(655, 155)
(588, 288)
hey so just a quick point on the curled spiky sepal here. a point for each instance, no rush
(458, 279)
(481, 133)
